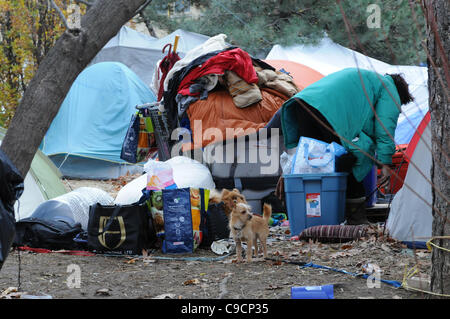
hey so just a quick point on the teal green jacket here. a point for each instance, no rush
(346, 99)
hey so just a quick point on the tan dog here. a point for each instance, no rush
(229, 198)
(248, 227)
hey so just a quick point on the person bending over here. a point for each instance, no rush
(358, 109)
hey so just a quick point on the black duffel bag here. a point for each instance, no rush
(123, 229)
(56, 233)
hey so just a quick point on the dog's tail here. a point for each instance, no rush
(215, 197)
(267, 211)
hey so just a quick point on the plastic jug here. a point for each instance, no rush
(312, 292)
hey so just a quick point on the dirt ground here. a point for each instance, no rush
(206, 275)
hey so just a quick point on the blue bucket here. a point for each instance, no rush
(370, 184)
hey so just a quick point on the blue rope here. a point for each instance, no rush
(394, 283)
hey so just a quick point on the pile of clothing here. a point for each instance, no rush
(224, 87)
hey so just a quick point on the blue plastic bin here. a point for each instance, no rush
(315, 199)
(370, 183)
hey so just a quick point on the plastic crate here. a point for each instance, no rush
(315, 199)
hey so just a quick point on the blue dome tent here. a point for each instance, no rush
(86, 136)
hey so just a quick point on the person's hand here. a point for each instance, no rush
(279, 192)
(385, 177)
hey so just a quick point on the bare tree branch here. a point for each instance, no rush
(61, 15)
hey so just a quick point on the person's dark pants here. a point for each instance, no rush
(311, 127)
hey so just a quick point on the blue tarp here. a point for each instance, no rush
(94, 117)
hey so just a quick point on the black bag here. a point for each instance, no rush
(130, 143)
(11, 188)
(278, 206)
(58, 233)
(124, 229)
(216, 225)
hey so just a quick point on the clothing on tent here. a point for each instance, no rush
(170, 103)
(354, 121)
(235, 60)
(244, 94)
(277, 80)
(216, 43)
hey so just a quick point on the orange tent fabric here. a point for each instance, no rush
(218, 110)
(303, 75)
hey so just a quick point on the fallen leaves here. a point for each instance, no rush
(191, 282)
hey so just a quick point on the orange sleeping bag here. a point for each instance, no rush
(212, 117)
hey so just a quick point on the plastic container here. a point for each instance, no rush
(313, 292)
(370, 183)
(315, 199)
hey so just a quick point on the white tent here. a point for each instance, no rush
(141, 52)
(410, 217)
(327, 57)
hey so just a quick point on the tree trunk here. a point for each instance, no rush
(56, 73)
(438, 30)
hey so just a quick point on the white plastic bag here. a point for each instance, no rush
(159, 175)
(188, 172)
(316, 157)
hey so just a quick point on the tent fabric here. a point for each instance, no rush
(42, 182)
(141, 53)
(94, 117)
(219, 111)
(328, 57)
(410, 217)
(302, 74)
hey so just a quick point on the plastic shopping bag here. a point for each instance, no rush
(159, 175)
(316, 157)
(139, 143)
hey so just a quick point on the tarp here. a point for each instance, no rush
(86, 136)
(327, 57)
(141, 52)
(43, 182)
(410, 217)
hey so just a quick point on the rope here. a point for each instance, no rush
(394, 283)
(430, 243)
(414, 270)
(409, 274)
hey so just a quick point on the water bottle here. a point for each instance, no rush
(312, 292)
